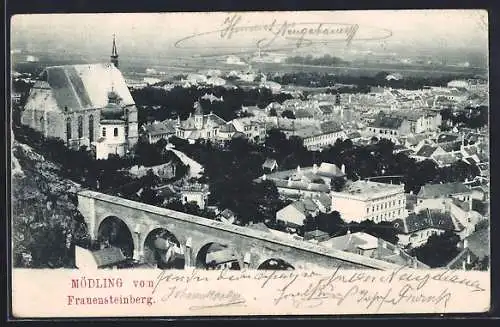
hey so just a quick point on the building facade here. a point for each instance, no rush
(366, 200)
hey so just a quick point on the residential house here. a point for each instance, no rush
(316, 236)
(226, 131)
(270, 165)
(415, 229)
(197, 193)
(227, 216)
(294, 214)
(253, 129)
(393, 124)
(159, 130)
(317, 139)
(370, 246)
(304, 181)
(110, 257)
(439, 196)
(199, 125)
(367, 200)
(428, 152)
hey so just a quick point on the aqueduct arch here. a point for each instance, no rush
(115, 231)
(212, 252)
(162, 249)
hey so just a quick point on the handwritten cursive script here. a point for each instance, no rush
(290, 34)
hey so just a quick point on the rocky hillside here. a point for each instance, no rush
(45, 221)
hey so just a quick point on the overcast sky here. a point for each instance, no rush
(156, 34)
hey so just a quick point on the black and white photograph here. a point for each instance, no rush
(250, 141)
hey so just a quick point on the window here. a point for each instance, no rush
(68, 129)
(115, 132)
(91, 128)
(104, 132)
(80, 127)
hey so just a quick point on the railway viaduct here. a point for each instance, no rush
(195, 234)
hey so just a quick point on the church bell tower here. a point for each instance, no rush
(114, 53)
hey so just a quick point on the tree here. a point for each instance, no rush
(337, 183)
(330, 223)
(439, 249)
(288, 114)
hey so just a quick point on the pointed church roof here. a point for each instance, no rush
(80, 87)
(114, 52)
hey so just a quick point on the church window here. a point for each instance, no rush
(91, 128)
(80, 127)
(104, 132)
(115, 131)
(68, 129)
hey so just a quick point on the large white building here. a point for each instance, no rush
(367, 200)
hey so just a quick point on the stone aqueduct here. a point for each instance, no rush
(252, 247)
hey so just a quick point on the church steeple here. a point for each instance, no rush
(114, 53)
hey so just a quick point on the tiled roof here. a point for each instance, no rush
(426, 150)
(86, 86)
(451, 146)
(430, 191)
(383, 121)
(444, 138)
(329, 170)
(415, 139)
(302, 186)
(479, 242)
(426, 219)
(269, 163)
(330, 127)
(445, 159)
(353, 135)
(302, 113)
(228, 128)
(160, 128)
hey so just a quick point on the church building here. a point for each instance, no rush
(199, 125)
(84, 105)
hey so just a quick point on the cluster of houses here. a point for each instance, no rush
(435, 209)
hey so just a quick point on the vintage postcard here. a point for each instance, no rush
(250, 163)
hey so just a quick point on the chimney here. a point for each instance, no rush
(298, 169)
(465, 244)
(463, 265)
(395, 250)
(315, 168)
(289, 181)
(342, 168)
(264, 177)
(468, 259)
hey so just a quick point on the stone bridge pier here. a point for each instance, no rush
(195, 235)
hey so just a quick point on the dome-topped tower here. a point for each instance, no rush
(112, 110)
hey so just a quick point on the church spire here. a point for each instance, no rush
(114, 53)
